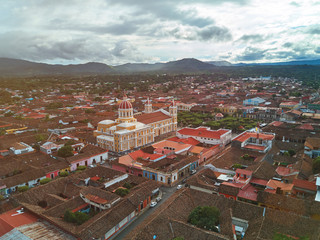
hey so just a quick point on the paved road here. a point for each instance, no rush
(166, 193)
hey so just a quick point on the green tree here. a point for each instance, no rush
(122, 192)
(127, 185)
(69, 216)
(316, 165)
(64, 174)
(205, 217)
(236, 166)
(81, 217)
(279, 236)
(23, 188)
(291, 152)
(65, 151)
(81, 168)
(39, 137)
(78, 217)
(45, 180)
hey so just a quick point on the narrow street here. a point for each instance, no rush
(166, 193)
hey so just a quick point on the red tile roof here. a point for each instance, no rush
(136, 154)
(95, 178)
(80, 207)
(96, 199)
(248, 192)
(306, 126)
(246, 135)
(12, 219)
(148, 118)
(243, 171)
(203, 132)
(276, 123)
(188, 140)
(285, 171)
(305, 184)
(258, 181)
(255, 147)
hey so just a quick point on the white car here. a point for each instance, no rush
(179, 186)
(153, 204)
(158, 199)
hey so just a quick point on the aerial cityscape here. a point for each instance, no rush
(168, 120)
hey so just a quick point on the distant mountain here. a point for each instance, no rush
(220, 63)
(303, 62)
(187, 65)
(17, 67)
(138, 67)
(180, 66)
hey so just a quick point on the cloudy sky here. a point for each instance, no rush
(120, 31)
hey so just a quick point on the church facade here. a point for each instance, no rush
(128, 132)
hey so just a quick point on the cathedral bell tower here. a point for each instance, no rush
(174, 113)
(148, 107)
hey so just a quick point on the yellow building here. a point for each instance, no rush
(127, 132)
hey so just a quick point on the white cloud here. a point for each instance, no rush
(142, 30)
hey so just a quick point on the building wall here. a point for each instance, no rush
(89, 161)
(54, 174)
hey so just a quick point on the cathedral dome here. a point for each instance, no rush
(125, 104)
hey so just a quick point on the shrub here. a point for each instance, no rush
(23, 188)
(237, 165)
(65, 151)
(291, 152)
(316, 165)
(247, 157)
(69, 216)
(1, 198)
(39, 137)
(45, 180)
(205, 217)
(279, 236)
(81, 168)
(122, 192)
(127, 185)
(64, 174)
(81, 217)
(178, 238)
(287, 154)
(78, 217)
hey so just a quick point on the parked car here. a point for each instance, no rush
(179, 186)
(158, 199)
(193, 171)
(153, 204)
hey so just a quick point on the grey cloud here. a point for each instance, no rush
(254, 38)
(317, 50)
(312, 29)
(215, 33)
(288, 45)
(251, 54)
(209, 33)
(166, 10)
(292, 55)
(42, 47)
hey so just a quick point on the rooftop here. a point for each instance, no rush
(203, 132)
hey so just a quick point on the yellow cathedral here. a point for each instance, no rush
(127, 132)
